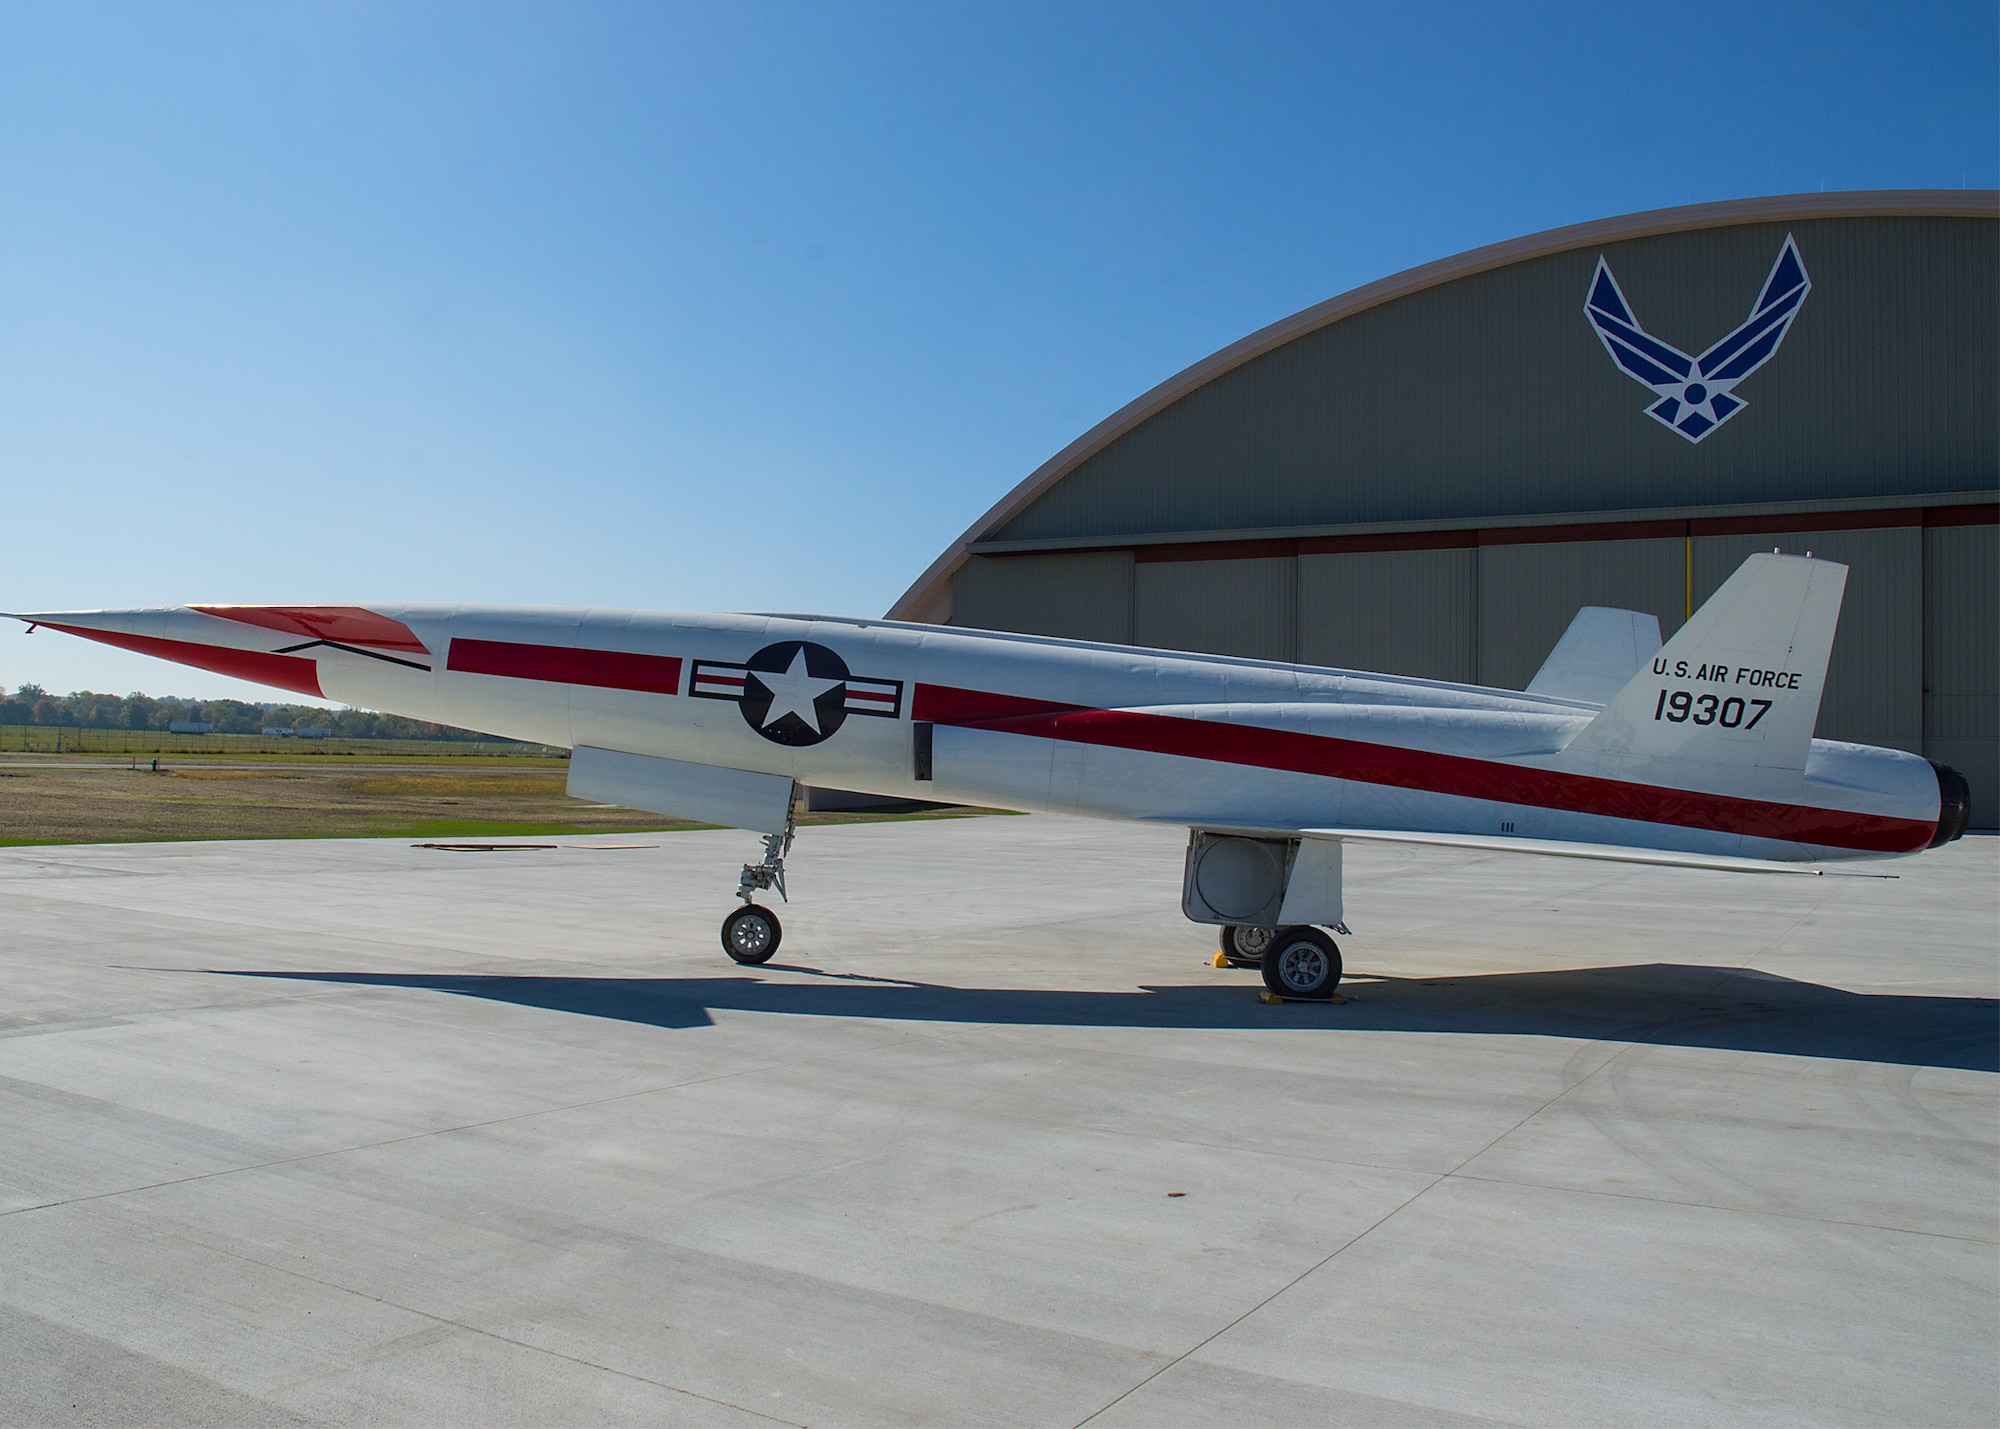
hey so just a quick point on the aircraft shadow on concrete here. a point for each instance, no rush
(1664, 1004)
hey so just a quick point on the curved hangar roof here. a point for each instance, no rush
(1479, 387)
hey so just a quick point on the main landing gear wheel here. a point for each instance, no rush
(1302, 963)
(751, 934)
(1244, 947)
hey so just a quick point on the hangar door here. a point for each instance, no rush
(1916, 663)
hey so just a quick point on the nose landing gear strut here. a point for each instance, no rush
(751, 934)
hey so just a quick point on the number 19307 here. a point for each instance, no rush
(1680, 707)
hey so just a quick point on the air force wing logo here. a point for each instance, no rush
(795, 692)
(1697, 394)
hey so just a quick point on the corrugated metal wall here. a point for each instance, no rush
(1406, 612)
(1245, 608)
(1962, 658)
(1085, 596)
(1529, 594)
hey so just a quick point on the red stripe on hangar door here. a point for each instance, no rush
(1400, 767)
(567, 665)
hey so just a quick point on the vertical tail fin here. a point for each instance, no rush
(1736, 689)
(1598, 655)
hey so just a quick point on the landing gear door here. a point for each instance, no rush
(734, 798)
(1312, 894)
(1246, 880)
(1236, 879)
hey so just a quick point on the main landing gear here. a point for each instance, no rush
(1300, 964)
(1244, 947)
(752, 933)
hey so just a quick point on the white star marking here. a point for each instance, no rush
(793, 693)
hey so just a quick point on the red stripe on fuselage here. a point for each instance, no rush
(1420, 769)
(286, 672)
(349, 624)
(567, 665)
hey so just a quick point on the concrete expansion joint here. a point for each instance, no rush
(1289, 1285)
(1695, 1205)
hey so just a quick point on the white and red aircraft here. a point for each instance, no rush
(1699, 753)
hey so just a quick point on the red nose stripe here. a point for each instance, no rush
(1398, 767)
(286, 672)
(567, 665)
(349, 624)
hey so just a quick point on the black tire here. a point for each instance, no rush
(1243, 946)
(751, 934)
(1303, 964)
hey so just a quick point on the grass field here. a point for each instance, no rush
(54, 739)
(83, 800)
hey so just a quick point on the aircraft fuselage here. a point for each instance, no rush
(1038, 724)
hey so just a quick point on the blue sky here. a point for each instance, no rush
(750, 306)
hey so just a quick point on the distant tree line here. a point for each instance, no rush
(85, 709)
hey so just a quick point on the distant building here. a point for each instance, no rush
(315, 733)
(279, 731)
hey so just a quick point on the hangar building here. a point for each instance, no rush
(1430, 474)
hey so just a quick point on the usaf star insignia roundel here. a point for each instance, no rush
(796, 692)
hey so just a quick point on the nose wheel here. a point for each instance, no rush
(751, 934)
